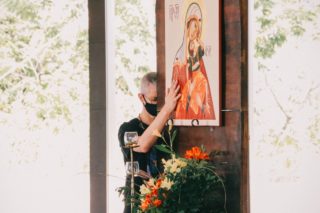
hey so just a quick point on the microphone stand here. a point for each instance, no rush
(131, 146)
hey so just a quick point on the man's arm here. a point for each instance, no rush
(147, 140)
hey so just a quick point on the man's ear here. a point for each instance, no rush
(140, 96)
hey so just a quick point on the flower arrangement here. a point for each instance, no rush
(187, 184)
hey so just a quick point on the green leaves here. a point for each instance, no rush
(134, 39)
(291, 24)
(43, 65)
(23, 9)
(192, 189)
(163, 148)
(275, 26)
(265, 46)
(264, 5)
(298, 18)
(265, 22)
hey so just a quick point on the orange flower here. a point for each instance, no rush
(144, 206)
(148, 196)
(204, 156)
(145, 203)
(196, 153)
(157, 202)
(154, 192)
(158, 183)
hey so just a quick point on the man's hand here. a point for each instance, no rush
(147, 139)
(143, 175)
(172, 97)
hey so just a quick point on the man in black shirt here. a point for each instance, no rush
(147, 121)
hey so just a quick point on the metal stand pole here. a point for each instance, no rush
(132, 179)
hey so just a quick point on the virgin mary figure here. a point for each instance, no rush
(190, 72)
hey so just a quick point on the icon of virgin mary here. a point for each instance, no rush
(189, 70)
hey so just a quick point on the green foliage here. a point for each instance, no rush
(195, 190)
(44, 59)
(265, 22)
(314, 130)
(265, 6)
(265, 46)
(298, 18)
(280, 22)
(275, 27)
(134, 37)
(187, 185)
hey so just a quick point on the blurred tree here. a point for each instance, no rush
(277, 23)
(135, 36)
(275, 27)
(44, 61)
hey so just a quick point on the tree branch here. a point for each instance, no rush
(287, 116)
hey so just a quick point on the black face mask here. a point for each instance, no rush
(151, 108)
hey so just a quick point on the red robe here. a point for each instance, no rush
(196, 100)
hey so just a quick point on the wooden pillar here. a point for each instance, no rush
(97, 76)
(230, 140)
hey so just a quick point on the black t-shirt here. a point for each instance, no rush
(148, 162)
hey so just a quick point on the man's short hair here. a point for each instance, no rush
(147, 79)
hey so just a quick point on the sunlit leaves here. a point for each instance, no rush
(279, 22)
(264, 5)
(44, 59)
(122, 85)
(298, 18)
(275, 26)
(23, 9)
(134, 37)
(314, 130)
(266, 45)
(265, 22)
